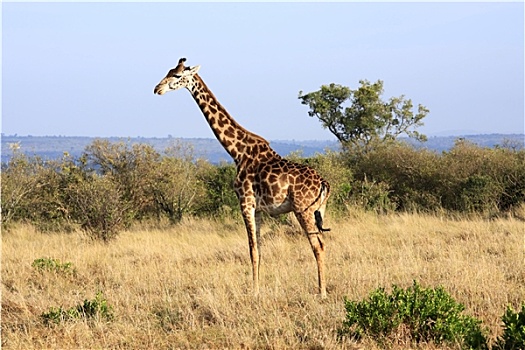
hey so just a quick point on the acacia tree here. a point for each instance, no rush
(360, 117)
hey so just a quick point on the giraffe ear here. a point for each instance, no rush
(195, 69)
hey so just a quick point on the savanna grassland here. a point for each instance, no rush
(190, 286)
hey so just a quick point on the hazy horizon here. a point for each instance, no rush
(451, 133)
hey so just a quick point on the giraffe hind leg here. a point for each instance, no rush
(307, 221)
(319, 221)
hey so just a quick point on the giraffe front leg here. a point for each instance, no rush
(251, 219)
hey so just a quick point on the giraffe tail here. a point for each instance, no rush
(325, 191)
(319, 222)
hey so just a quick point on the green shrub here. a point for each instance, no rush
(18, 184)
(482, 179)
(153, 185)
(479, 193)
(411, 176)
(36, 191)
(130, 167)
(220, 199)
(513, 337)
(31, 191)
(372, 196)
(53, 265)
(99, 208)
(95, 309)
(421, 314)
(175, 187)
(467, 178)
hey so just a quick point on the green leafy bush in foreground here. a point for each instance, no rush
(419, 314)
(514, 330)
(97, 309)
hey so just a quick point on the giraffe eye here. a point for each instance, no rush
(178, 76)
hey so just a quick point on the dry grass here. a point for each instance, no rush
(190, 287)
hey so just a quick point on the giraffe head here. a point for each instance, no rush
(176, 78)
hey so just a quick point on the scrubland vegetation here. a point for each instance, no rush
(128, 248)
(113, 186)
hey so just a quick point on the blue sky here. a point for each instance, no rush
(88, 69)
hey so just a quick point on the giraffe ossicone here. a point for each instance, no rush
(265, 181)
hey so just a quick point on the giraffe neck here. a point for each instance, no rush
(236, 140)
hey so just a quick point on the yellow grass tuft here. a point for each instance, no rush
(190, 286)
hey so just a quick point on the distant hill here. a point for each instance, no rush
(445, 143)
(52, 147)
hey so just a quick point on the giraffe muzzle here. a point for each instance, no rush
(158, 90)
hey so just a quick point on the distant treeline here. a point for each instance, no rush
(113, 185)
(52, 147)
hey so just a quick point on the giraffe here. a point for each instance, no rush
(265, 182)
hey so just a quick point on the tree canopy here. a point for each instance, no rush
(360, 117)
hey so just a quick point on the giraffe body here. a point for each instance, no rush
(265, 181)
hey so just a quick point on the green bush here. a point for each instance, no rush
(423, 315)
(31, 191)
(130, 167)
(220, 199)
(411, 176)
(513, 337)
(53, 265)
(479, 193)
(466, 179)
(152, 184)
(18, 184)
(99, 208)
(94, 309)
(175, 187)
(477, 179)
(372, 196)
